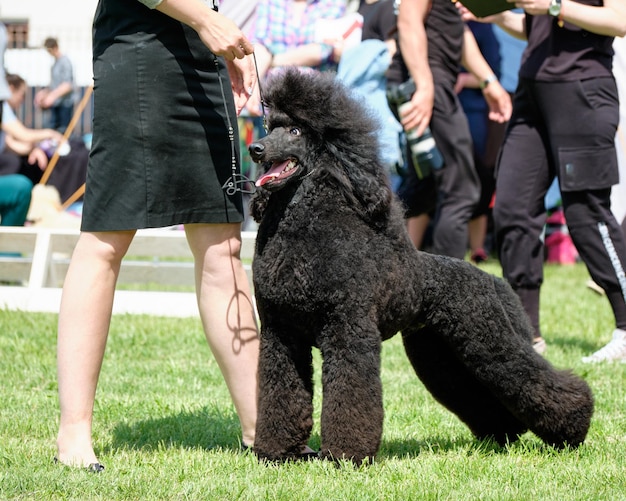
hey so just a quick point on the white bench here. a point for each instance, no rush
(34, 261)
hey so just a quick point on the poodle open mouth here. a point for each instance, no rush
(279, 171)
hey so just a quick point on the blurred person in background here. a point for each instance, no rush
(58, 97)
(565, 116)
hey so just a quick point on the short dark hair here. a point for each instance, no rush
(15, 81)
(51, 43)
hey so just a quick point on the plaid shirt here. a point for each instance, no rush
(277, 30)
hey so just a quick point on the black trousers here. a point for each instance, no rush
(564, 130)
(454, 191)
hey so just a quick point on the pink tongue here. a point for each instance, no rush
(274, 172)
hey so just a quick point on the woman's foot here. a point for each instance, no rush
(74, 449)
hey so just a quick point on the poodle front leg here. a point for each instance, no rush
(285, 405)
(352, 403)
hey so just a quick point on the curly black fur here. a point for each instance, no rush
(341, 149)
(334, 268)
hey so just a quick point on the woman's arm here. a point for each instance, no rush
(514, 23)
(608, 19)
(22, 134)
(311, 54)
(497, 98)
(21, 148)
(35, 154)
(54, 94)
(414, 47)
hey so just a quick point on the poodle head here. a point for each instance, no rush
(318, 131)
(282, 154)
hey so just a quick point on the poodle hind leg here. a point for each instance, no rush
(453, 385)
(285, 401)
(352, 404)
(555, 404)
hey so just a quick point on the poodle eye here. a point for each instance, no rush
(295, 131)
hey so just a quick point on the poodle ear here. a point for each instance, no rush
(364, 182)
(373, 193)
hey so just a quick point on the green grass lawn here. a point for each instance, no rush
(165, 427)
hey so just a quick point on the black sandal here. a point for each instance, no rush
(92, 468)
(95, 468)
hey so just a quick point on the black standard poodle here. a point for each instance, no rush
(335, 269)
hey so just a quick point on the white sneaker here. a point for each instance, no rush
(614, 351)
(539, 345)
(595, 287)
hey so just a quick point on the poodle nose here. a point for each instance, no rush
(256, 151)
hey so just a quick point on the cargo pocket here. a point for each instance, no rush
(587, 168)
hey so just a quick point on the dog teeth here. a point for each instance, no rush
(290, 165)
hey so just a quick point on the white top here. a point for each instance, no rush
(8, 116)
(5, 92)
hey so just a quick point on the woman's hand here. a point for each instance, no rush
(224, 38)
(217, 32)
(417, 112)
(242, 80)
(39, 157)
(533, 7)
(499, 102)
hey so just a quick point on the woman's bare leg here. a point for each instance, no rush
(417, 226)
(477, 229)
(84, 320)
(227, 313)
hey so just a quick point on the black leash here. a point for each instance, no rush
(238, 182)
(258, 82)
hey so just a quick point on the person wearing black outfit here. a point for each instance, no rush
(379, 19)
(565, 116)
(433, 43)
(486, 137)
